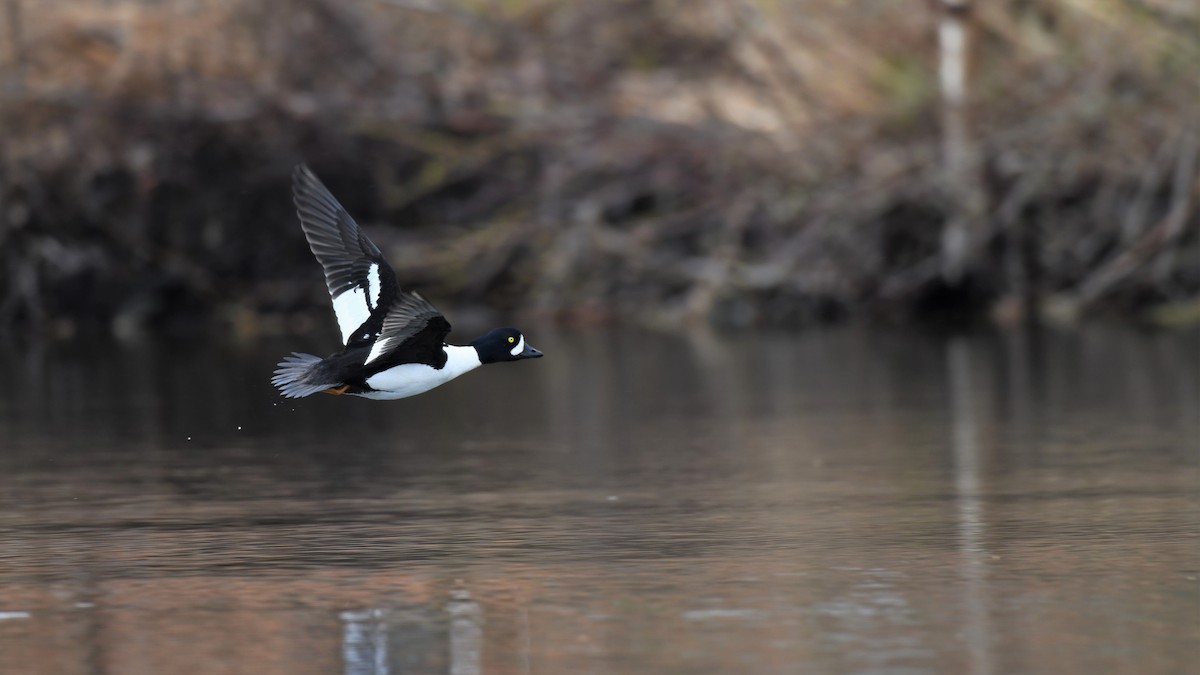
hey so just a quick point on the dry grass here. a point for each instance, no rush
(733, 160)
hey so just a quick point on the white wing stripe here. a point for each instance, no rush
(351, 310)
(373, 285)
(378, 349)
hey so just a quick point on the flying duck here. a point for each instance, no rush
(394, 340)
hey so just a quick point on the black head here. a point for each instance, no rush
(503, 344)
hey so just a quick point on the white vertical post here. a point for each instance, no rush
(957, 156)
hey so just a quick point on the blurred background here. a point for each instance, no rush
(1002, 479)
(735, 162)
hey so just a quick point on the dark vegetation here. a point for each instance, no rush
(730, 161)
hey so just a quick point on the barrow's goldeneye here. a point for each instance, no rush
(395, 341)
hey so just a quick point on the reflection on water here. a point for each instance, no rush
(365, 643)
(969, 504)
(634, 502)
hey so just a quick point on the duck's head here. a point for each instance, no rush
(503, 344)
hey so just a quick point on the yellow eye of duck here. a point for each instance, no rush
(512, 340)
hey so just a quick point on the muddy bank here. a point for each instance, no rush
(734, 163)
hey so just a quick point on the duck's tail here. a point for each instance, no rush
(295, 376)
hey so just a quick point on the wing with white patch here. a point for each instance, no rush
(361, 283)
(410, 318)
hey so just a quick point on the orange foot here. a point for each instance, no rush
(336, 391)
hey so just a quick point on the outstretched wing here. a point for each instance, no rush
(410, 319)
(360, 281)
(370, 307)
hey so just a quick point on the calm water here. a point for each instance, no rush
(827, 502)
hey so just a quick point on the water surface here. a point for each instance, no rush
(632, 503)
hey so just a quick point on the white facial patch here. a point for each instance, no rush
(373, 285)
(351, 310)
(520, 346)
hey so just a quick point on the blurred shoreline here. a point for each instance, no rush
(732, 163)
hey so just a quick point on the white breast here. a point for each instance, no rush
(410, 379)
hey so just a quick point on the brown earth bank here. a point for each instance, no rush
(731, 162)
